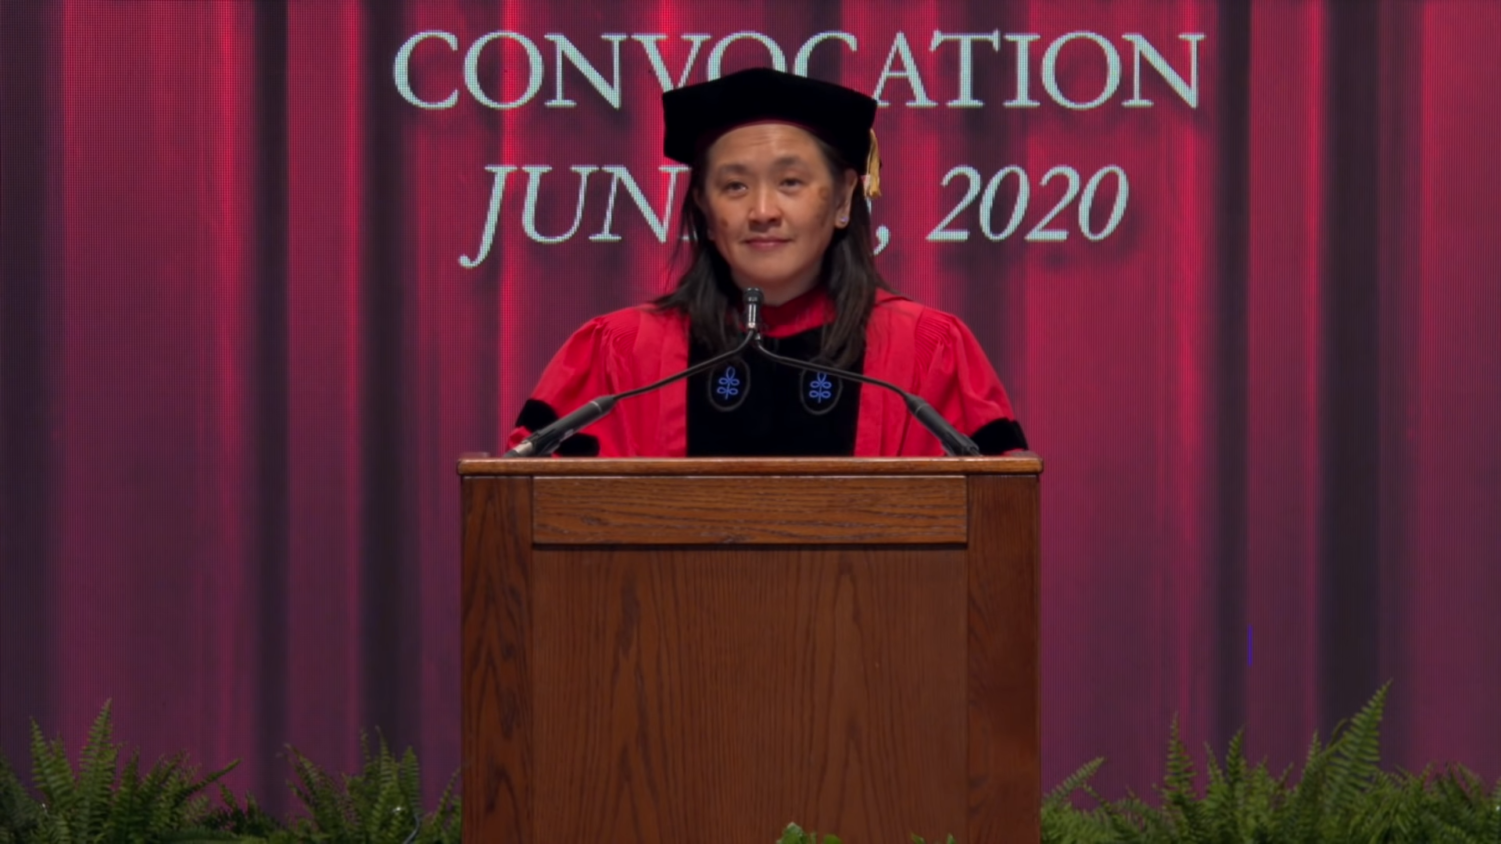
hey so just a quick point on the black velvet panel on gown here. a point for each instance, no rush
(999, 437)
(756, 407)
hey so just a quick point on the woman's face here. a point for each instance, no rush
(772, 207)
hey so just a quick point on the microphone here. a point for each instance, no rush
(544, 442)
(753, 300)
(954, 443)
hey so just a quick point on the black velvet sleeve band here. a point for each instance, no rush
(536, 415)
(999, 437)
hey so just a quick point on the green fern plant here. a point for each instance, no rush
(1458, 807)
(99, 802)
(1062, 823)
(380, 805)
(794, 834)
(20, 815)
(1342, 797)
(247, 823)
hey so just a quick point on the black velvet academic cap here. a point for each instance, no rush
(696, 115)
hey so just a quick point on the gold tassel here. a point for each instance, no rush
(873, 168)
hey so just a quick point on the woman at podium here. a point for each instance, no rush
(780, 169)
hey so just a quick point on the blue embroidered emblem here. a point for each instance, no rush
(729, 385)
(727, 388)
(821, 390)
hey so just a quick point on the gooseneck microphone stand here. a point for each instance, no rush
(546, 441)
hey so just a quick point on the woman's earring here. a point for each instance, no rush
(844, 221)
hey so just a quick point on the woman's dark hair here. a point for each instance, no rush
(706, 293)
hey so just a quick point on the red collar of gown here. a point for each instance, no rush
(810, 310)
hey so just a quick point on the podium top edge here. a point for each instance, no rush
(1022, 463)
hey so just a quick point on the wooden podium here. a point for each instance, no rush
(704, 650)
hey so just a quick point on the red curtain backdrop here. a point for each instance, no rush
(240, 354)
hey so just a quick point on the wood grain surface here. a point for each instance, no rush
(1024, 463)
(628, 694)
(716, 694)
(635, 510)
(497, 617)
(1005, 738)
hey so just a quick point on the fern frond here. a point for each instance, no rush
(1224, 796)
(385, 803)
(791, 834)
(1413, 821)
(19, 813)
(1180, 800)
(243, 821)
(1382, 813)
(442, 824)
(96, 776)
(1062, 824)
(157, 790)
(1132, 821)
(1262, 796)
(1073, 782)
(1355, 757)
(1314, 749)
(1458, 802)
(328, 811)
(1302, 813)
(1493, 815)
(409, 779)
(131, 811)
(1180, 772)
(1212, 769)
(53, 775)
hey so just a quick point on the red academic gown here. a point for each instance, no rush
(923, 350)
